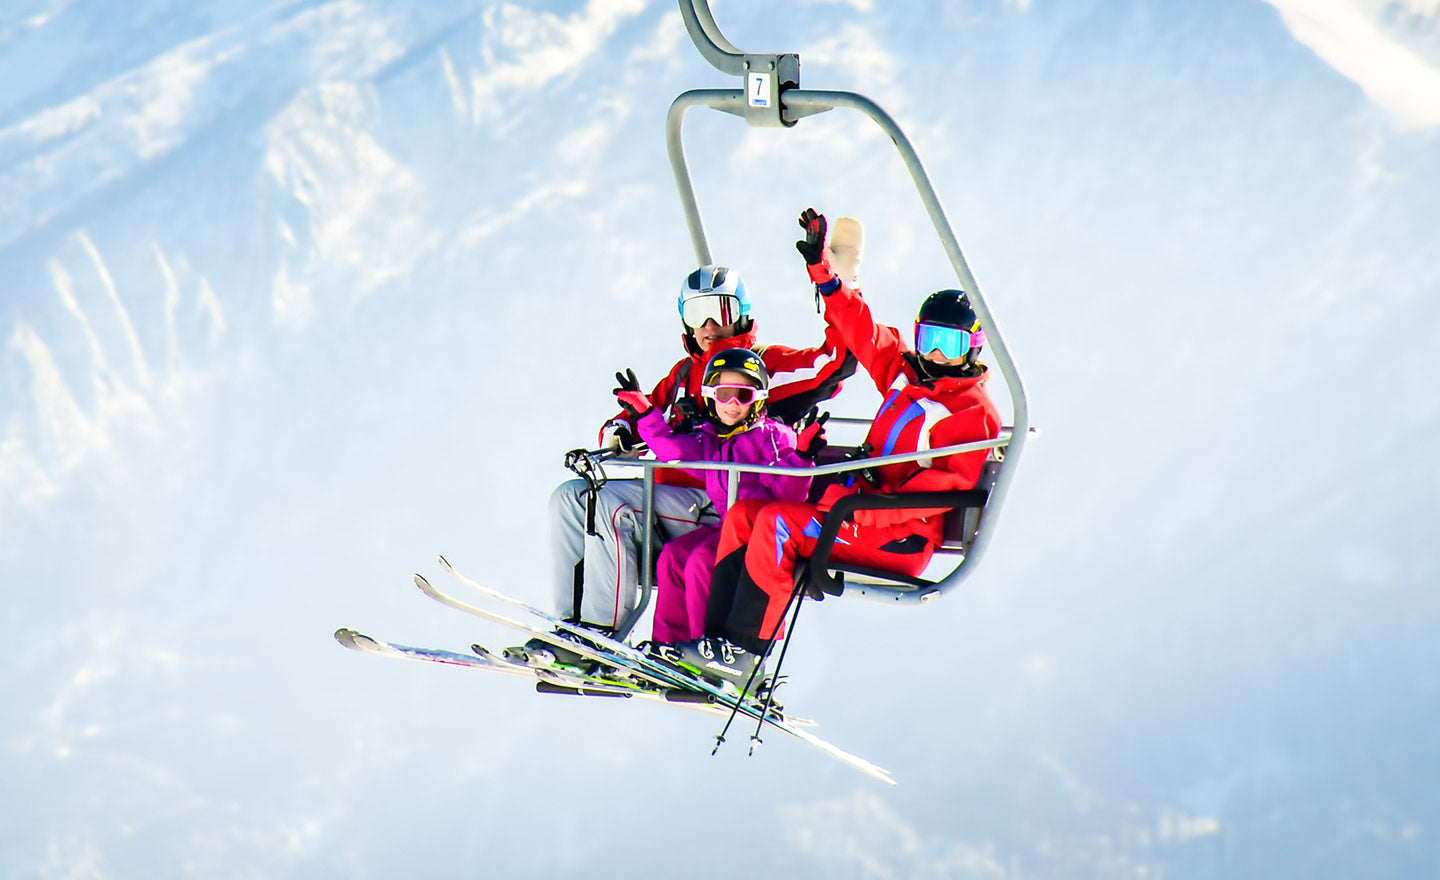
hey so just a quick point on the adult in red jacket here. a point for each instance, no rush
(595, 556)
(715, 315)
(934, 397)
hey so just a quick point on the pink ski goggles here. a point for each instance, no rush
(744, 394)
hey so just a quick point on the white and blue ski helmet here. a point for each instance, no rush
(714, 293)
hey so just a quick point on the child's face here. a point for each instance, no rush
(732, 413)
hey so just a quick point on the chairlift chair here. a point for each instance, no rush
(771, 97)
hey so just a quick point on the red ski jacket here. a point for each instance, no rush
(918, 414)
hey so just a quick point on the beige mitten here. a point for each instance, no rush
(847, 242)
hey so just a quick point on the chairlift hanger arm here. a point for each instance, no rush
(791, 104)
(708, 38)
(767, 74)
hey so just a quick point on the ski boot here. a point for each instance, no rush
(541, 653)
(723, 662)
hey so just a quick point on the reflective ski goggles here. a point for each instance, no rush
(722, 308)
(744, 394)
(952, 341)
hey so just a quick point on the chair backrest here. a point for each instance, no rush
(962, 523)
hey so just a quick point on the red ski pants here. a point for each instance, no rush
(773, 535)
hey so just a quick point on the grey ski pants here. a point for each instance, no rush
(611, 582)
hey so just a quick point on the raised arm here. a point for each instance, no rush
(650, 422)
(665, 443)
(878, 347)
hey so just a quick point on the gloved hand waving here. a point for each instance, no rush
(810, 439)
(630, 396)
(812, 248)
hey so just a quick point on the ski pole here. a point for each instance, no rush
(797, 598)
(720, 737)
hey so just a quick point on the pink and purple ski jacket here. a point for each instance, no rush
(765, 441)
(686, 564)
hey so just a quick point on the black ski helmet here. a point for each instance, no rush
(948, 308)
(739, 360)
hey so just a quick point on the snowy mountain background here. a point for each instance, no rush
(295, 296)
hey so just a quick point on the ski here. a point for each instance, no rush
(555, 681)
(546, 635)
(626, 656)
(547, 681)
(358, 641)
(607, 651)
(616, 653)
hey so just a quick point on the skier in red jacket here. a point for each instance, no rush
(715, 315)
(934, 397)
(595, 552)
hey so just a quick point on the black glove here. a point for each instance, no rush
(813, 247)
(630, 395)
(859, 452)
(810, 439)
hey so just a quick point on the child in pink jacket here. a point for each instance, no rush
(734, 388)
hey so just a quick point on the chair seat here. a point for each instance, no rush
(877, 576)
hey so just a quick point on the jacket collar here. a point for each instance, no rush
(926, 378)
(739, 340)
(725, 433)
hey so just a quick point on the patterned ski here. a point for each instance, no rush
(549, 636)
(358, 641)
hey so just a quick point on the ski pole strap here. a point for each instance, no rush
(662, 537)
(578, 594)
(586, 465)
(662, 534)
(681, 389)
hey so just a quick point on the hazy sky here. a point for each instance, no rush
(298, 296)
